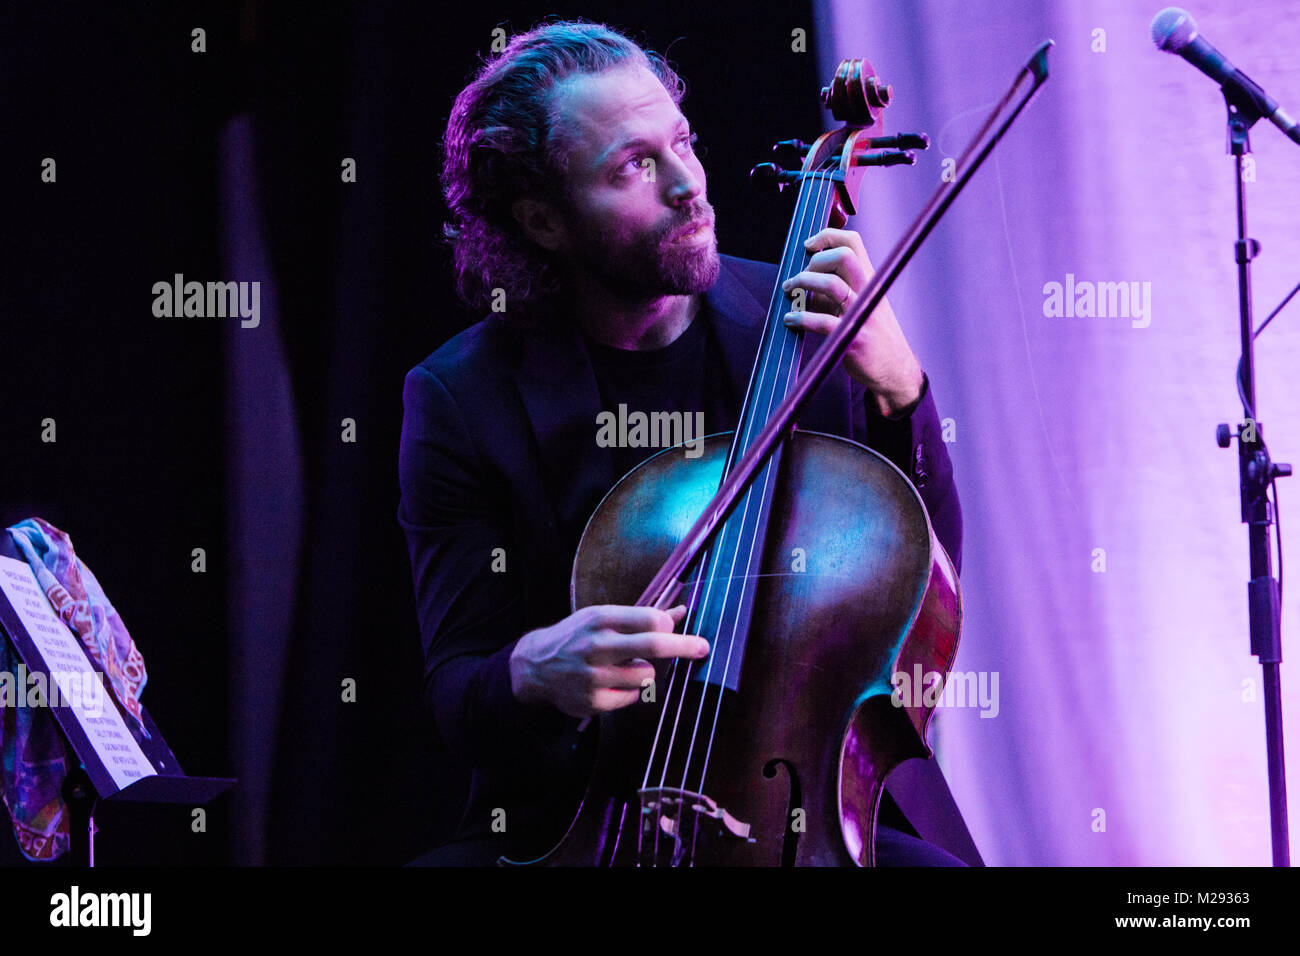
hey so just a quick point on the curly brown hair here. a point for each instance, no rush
(503, 142)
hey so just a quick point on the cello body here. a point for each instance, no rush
(854, 586)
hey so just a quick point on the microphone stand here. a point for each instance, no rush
(1257, 471)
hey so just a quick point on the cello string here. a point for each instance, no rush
(785, 366)
(788, 369)
(757, 378)
(781, 341)
(741, 529)
(681, 700)
(758, 384)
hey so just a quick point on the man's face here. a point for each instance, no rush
(625, 217)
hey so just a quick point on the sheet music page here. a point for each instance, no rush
(71, 676)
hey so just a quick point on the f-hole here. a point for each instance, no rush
(790, 843)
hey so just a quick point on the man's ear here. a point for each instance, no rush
(540, 222)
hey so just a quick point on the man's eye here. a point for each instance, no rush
(636, 163)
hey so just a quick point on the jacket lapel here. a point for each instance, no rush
(558, 387)
(738, 315)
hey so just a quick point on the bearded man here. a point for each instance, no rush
(580, 217)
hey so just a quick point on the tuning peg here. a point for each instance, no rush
(886, 158)
(791, 151)
(900, 141)
(770, 174)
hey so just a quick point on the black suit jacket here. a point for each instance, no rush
(499, 463)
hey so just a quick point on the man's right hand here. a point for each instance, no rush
(598, 659)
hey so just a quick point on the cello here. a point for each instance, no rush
(808, 562)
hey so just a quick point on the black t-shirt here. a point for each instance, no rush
(687, 376)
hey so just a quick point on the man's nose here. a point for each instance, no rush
(684, 183)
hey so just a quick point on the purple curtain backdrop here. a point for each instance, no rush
(1105, 565)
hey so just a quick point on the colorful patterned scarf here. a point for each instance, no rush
(35, 754)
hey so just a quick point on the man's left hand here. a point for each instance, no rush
(879, 356)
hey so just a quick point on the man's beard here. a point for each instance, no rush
(649, 266)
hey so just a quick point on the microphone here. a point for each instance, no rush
(1174, 31)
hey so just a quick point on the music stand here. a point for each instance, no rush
(111, 769)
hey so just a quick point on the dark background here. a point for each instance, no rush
(143, 470)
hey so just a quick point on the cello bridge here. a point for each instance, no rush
(673, 820)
